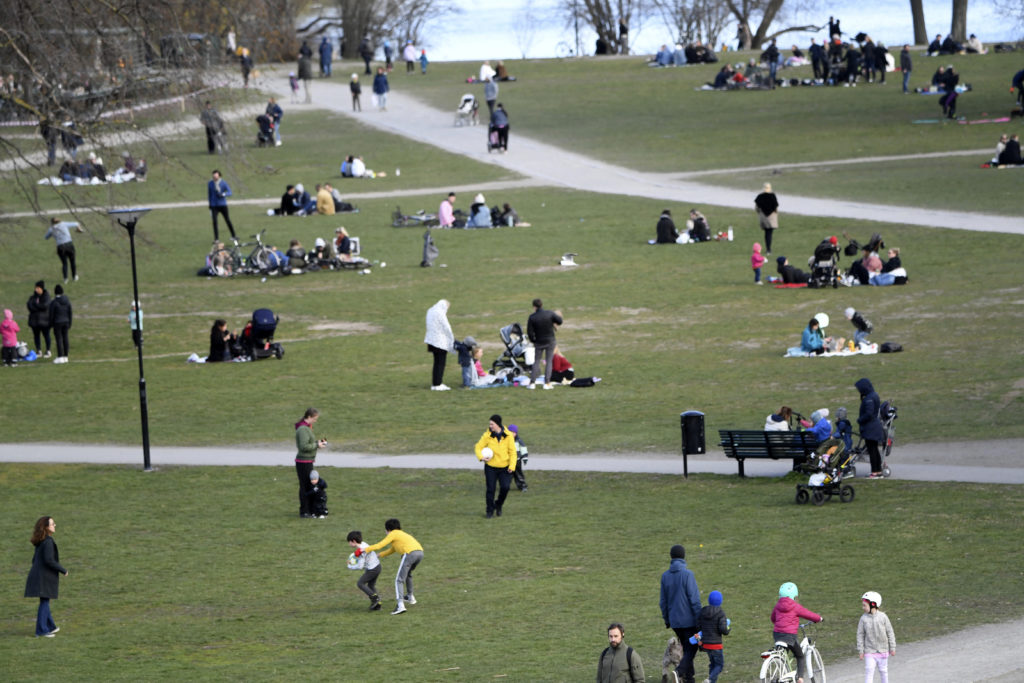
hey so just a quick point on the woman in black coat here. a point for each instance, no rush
(39, 316)
(60, 322)
(870, 424)
(767, 205)
(44, 577)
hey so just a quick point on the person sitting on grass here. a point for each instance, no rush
(296, 256)
(791, 274)
(699, 230)
(221, 339)
(666, 229)
(342, 244)
(220, 260)
(510, 216)
(289, 203)
(1010, 156)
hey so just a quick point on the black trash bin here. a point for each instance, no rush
(692, 425)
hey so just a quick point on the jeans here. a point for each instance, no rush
(277, 131)
(772, 68)
(44, 620)
(500, 478)
(859, 337)
(685, 668)
(757, 274)
(716, 659)
(467, 375)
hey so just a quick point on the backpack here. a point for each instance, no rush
(629, 659)
(890, 347)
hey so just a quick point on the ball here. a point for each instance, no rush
(486, 454)
(353, 561)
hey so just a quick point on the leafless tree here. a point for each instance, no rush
(745, 11)
(917, 12)
(526, 24)
(400, 19)
(694, 19)
(1013, 11)
(603, 17)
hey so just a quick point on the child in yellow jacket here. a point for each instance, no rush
(398, 541)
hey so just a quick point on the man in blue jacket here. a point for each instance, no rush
(218, 191)
(326, 52)
(680, 607)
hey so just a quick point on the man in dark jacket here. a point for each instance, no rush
(680, 607)
(906, 66)
(790, 274)
(326, 51)
(870, 425)
(366, 52)
(619, 663)
(39, 316)
(540, 329)
(771, 55)
(818, 59)
(60, 322)
(667, 233)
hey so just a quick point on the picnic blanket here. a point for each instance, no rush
(863, 350)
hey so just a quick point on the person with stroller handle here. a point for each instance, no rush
(785, 618)
(499, 125)
(870, 425)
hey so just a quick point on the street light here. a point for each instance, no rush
(127, 218)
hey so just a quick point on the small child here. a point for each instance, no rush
(786, 620)
(522, 455)
(862, 325)
(844, 429)
(412, 554)
(370, 564)
(480, 376)
(756, 261)
(713, 624)
(9, 332)
(356, 91)
(465, 349)
(318, 494)
(293, 84)
(423, 62)
(875, 639)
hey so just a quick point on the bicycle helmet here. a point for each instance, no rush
(872, 598)
(788, 590)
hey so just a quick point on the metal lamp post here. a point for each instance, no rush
(127, 219)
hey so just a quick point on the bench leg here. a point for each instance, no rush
(740, 462)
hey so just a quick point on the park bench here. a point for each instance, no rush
(742, 444)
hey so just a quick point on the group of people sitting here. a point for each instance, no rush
(479, 216)
(870, 269)
(1007, 151)
(693, 53)
(697, 229)
(297, 202)
(220, 262)
(92, 171)
(354, 167)
(951, 47)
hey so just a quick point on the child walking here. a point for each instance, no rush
(370, 564)
(293, 85)
(786, 620)
(317, 493)
(861, 324)
(9, 332)
(756, 261)
(356, 90)
(465, 349)
(398, 541)
(875, 639)
(713, 624)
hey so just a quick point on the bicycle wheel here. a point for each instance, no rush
(260, 259)
(846, 493)
(773, 669)
(562, 50)
(817, 667)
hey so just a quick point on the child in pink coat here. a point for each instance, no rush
(9, 332)
(786, 621)
(756, 261)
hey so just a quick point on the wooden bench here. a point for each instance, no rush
(742, 444)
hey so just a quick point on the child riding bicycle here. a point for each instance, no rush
(786, 620)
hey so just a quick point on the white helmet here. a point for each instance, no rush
(873, 598)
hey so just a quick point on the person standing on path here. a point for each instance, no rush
(767, 205)
(440, 341)
(380, 89)
(60, 323)
(275, 113)
(214, 126)
(876, 641)
(44, 577)
(680, 608)
(540, 329)
(496, 449)
(39, 317)
(307, 445)
(499, 123)
(217, 192)
(60, 231)
(490, 94)
(306, 73)
(246, 67)
(906, 66)
(366, 52)
(356, 89)
(870, 425)
(619, 663)
(326, 51)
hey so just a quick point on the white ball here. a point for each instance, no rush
(383, 264)
(353, 561)
(486, 454)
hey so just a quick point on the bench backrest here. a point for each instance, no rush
(754, 444)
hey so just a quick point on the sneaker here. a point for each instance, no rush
(759, 282)
(411, 599)
(443, 387)
(47, 635)
(47, 354)
(531, 385)
(497, 511)
(76, 278)
(489, 514)
(375, 604)
(54, 630)
(399, 609)
(277, 144)
(875, 475)
(548, 385)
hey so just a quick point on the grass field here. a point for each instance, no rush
(178, 575)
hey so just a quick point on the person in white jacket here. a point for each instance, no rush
(876, 641)
(440, 341)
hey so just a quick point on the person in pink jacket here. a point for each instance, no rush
(786, 619)
(9, 332)
(756, 261)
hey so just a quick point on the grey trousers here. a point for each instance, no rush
(403, 579)
(548, 350)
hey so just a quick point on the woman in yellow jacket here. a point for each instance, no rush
(497, 449)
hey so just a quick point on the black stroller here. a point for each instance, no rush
(265, 135)
(258, 335)
(824, 266)
(513, 361)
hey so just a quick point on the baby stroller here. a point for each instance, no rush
(518, 355)
(467, 112)
(258, 335)
(824, 266)
(829, 466)
(265, 136)
(887, 414)
(493, 141)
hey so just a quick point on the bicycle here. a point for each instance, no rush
(779, 665)
(258, 260)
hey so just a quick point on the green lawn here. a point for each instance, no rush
(208, 573)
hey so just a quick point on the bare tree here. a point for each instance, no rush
(1012, 10)
(402, 19)
(744, 12)
(920, 32)
(958, 29)
(694, 19)
(526, 27)
(603, 17)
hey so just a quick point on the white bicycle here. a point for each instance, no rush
(779, 665)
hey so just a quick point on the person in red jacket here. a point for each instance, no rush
(786, 619)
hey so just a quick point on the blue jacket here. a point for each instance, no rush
(380, 84)
(275, 112)
(811, 340)
(822, 430)
(680, 597)
(870, 425)
(325, 50)
(217, 191)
